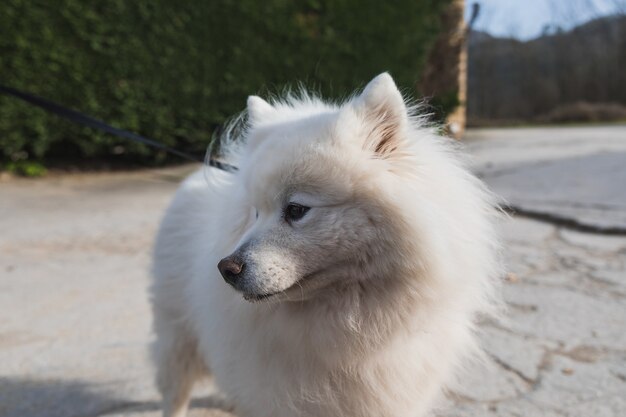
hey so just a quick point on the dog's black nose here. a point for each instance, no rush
(231, 269)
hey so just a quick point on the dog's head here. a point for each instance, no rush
(314, 177)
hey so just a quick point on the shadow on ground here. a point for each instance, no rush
(23, 397)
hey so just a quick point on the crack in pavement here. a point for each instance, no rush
(563, 221)
(511, 369)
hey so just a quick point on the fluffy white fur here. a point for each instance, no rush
(368, 302)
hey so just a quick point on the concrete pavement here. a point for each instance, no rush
(74, 319)
(576, 175)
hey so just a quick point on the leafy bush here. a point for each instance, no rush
(175, 70)
(25, 168)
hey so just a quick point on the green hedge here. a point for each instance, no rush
(174, 70)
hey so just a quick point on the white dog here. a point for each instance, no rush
(338, 273)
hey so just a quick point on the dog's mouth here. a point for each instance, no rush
(253, 298)
(260, 297)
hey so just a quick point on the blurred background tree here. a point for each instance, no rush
(563, 74)
(175, 70)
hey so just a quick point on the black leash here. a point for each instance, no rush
(83, 119)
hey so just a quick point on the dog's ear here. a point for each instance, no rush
(258, 109)
(385, 115)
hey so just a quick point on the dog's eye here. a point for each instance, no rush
(294, 212)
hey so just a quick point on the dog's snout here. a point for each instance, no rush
(230, 268)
